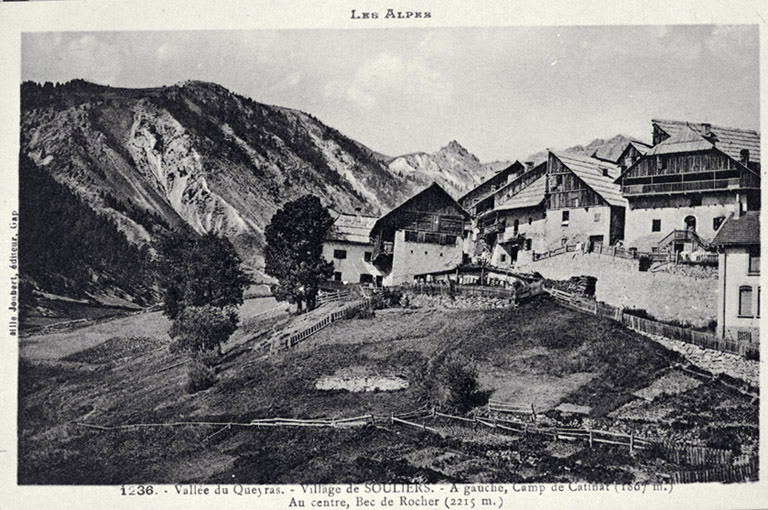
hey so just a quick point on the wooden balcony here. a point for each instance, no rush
(681, 187)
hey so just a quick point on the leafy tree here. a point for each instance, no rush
(199, 329)
(199, 271)
(294, 251)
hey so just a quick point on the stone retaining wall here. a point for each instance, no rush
(680, 293)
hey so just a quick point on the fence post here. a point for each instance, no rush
(632, 441)
(590, 438)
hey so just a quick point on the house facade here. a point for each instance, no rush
(523, 218)
(584, 205)
(470, 200)
(738, 243)
(427, 233)
(348, 245)
(680, 192)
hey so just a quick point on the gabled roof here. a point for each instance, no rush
(590, 171)
(433, 188)
(739, 231)
(530, 196)
(729, 140)
(352, 228)
(641, 147)
(501, 175)
(685, 139)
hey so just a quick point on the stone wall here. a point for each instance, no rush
(679, 293)
(465, 302)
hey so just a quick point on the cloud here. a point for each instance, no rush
(167, 52)
(386, 77)
(96, 59)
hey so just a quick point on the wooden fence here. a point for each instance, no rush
(510, 293)
(691, 336)
(288, 341)
(702, 258)
(331, 297)
(725, 468)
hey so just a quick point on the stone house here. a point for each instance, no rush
(348, 245)
(680, 192)
(738, 310)
(427, 233)
(584, 204)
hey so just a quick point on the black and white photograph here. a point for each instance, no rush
(387, 262)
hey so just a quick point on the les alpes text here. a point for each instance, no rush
(391, 13)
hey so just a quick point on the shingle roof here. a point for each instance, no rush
(685, 139)
(739, 231)
(641, 147)
(530, 196)
(387, 218)
(590, 171)
(729, 140)
(352, 228)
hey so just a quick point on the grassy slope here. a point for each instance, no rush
(560, 356)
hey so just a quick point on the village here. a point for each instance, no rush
(680, 214)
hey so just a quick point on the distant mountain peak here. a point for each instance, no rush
(454, 146)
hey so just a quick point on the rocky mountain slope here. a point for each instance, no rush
(197, 154)
(453, 167)
(605, 149)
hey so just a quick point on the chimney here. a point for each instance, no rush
(744, 156)
(358, 210)
(528, 165)
(706, 129)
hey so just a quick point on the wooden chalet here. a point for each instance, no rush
(488, 187)
(683, 188)
(584, 204)
(634, 150)
(424, 234)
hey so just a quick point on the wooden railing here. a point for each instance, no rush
(704, 258)
(680, 187)
(691, 336)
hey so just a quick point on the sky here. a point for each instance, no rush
(503, 93)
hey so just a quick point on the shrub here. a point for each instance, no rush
(361, 313)
(450, 383)
(202, 328)
(387, 298)
(200, 376)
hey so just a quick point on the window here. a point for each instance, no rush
(754, 261)
(516, 225)
(758, 303)
(655, 225)
(337, 276)
(530, 220)
(716, 222)
(528, 244)
(566, 217)
(503, 258)
(745, 301)
(367, 256)
(366, 278)
(596, 216)
(340, 254)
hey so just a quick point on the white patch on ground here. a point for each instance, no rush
(359, 379)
